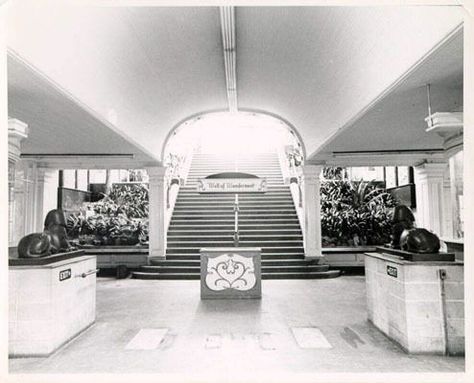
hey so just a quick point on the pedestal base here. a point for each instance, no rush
(50, 304)
(231, 272)
(420, 305)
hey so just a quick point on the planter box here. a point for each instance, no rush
(346, 256)
(109, 257)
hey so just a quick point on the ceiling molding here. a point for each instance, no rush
(407, 158)
(91, 162)
(228, 42)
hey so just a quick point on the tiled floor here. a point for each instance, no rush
(298, 326)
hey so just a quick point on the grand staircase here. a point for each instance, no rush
(268, 221)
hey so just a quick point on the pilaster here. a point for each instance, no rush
(157, 208)
(17, 132)
(429, 180)
(312, 211)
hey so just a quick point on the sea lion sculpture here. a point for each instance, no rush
(35, 245)
(52, 240)
(420, 241)
(403, 219)
(407, 237)
(55, 227)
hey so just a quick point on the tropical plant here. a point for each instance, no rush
(118, 218)
(334, 173)
(355, 213)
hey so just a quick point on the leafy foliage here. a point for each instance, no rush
(335, 173)
(119, 218)
(130, 200)
(355, 213)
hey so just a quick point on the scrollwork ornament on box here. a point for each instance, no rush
(230, 271)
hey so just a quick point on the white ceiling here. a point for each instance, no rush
(398, 120)
(152, 67)
(57, 124)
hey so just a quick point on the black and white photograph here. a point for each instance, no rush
(236, 191)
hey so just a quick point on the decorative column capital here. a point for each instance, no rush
(17, 131)
(435, 169)
(156, 174)
(43, 174)
(311, 172)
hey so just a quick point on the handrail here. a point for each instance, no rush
(293, 177)
(175, 177)
(236, 220)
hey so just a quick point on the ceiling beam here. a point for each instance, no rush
(228, 42)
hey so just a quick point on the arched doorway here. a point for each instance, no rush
(231, 133)
(254, 144)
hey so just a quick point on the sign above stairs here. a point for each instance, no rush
(232, 182)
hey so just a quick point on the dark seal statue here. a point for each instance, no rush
(55, 227)
(403, 219)
(34, 245)
(52, 240)
(420, 241)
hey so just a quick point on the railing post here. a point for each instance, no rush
(236, 221)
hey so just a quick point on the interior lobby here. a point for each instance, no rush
(182, 108)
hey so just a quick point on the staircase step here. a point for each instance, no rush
(265, 250)
(193, 276)
(169, 269)
(144, 275)
(175, 232)
(267, 221)
(265, 257)
(310, 275)
(265, 263)
(220, 237)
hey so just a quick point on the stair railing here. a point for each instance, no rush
(236, 220)
(292, 174)
(176, 175)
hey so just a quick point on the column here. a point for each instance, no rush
(429, 180)
(17, 132)
(38, 199)
(45, 196)
(447, 228)
(157, 208)
(312, 211)
(30, 192)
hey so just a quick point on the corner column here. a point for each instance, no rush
(429, 180)
(312, 211)
(45, 196)
(157, 209)
(17, 132)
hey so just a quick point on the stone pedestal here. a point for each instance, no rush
(420, 305)
(49, 304)
(157, 208)
(312, 211)
(231, 272)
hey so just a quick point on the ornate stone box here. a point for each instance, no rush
(231, 272)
